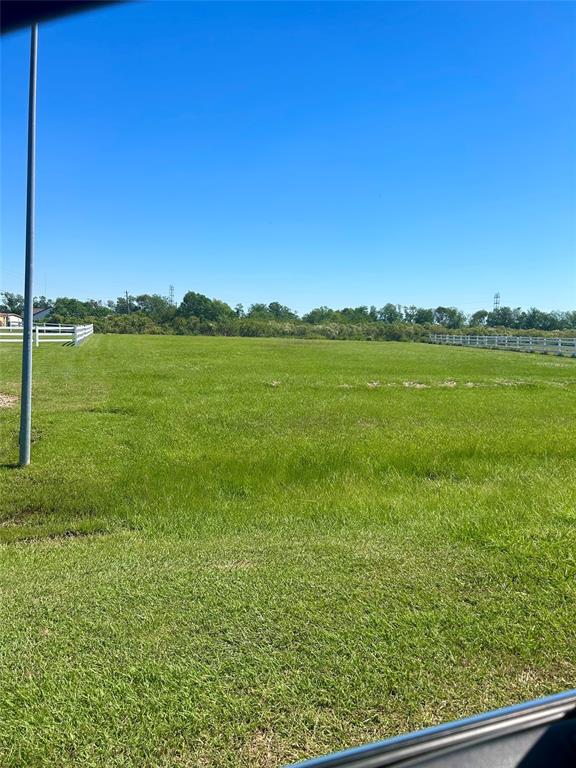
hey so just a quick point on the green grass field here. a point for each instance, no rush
(236, 552)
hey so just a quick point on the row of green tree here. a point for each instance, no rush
(153, 313)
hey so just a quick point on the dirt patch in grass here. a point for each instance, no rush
(75, 534)
(116, 410)
(8, 401)
(368, 424)
(415, 385)
(22, 516)
(32, 524)
(29, 536)
(261, 750)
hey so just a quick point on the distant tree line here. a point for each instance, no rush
(199, 314)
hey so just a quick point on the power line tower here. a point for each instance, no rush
(496, 301)
(171, 295)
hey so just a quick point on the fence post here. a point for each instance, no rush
(76, 342)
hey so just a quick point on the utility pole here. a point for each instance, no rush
(26, 392)
(496, 301)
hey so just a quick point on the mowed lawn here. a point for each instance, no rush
(239, 552)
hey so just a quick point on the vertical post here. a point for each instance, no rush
(37, 335)
(26, 393)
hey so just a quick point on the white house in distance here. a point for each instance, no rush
(12, 320)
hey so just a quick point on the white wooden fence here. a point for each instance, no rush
(517, 343)
(61, 334)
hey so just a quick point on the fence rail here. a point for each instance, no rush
(515, 343)
(59, 334)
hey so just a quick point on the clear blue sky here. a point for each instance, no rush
(330, 153)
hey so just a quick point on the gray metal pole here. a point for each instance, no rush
(26, 394)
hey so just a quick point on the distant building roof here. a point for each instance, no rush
(35, 311)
